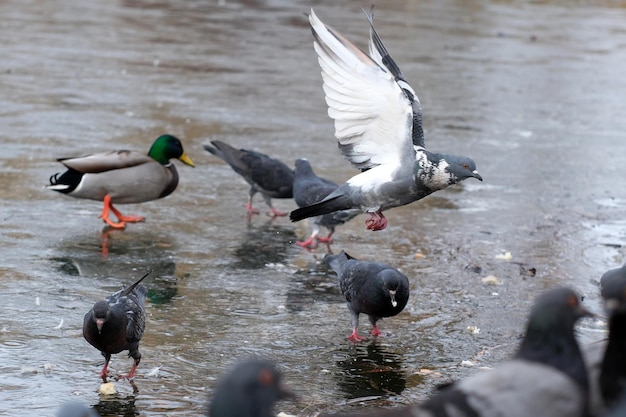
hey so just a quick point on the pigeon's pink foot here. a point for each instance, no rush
(277, 213)
(131, 374)
(375, 332)
(105, 372)
(327, 239)
(310, 243)
(354, 337)
(250, 209)
(377, 221)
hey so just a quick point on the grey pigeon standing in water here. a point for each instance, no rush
(268, 176)
(308, 189)
(606, 360)
(378, 123)
(372, 288)
(117, 324)
(250, 389)
(545, 378)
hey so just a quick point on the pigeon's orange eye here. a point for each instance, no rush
(465, 166)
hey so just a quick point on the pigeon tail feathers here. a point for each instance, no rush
(325, 206)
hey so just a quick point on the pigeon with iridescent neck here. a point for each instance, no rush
(372, 288)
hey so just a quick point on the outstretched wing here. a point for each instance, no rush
(373, 116)
(379, 53)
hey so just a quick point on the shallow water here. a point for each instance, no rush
(533, 92)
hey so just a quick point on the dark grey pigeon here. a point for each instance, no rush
(372, 288)
(308, 189)
(606, 360)
(268, 176)
(250, 389)
(378, 123)
(117, 324)
(545, 378)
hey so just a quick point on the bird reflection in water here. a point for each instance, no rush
(117, 406)
(372, 370)
(262, 245)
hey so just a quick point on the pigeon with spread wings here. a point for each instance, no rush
(378, 123)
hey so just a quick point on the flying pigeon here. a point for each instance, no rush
(116, 324)
(372, 288)
(606, 363)
(268, 176)
(378, 123)
(250, 389)
(545, 378)
(308, 188)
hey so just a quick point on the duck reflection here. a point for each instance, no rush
(135, 251)
(371, 370)
(265, 244)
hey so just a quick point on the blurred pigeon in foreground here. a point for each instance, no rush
(606, 361)
(545, 378)
(372, 288)
(250, 389)
(117, 324)
(308, 189)
(378, 123)
(268, 176)
(76, 409)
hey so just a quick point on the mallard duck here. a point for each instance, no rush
(122, 177)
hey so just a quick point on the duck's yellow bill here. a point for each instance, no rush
(185, 159)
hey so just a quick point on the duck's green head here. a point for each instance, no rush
(166, 147)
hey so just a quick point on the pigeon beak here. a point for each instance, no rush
(392, 294)
(476, 175)
(99, 324)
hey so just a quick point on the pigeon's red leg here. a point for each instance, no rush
(375, 331)
(250, 209)
(277, 213)
(122, 218)
(105, 214)
(131, 374)
(105, 371)
(310, 243)
(327, 239)
(377, 221)
(354, 337)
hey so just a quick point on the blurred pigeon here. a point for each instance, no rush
(268, 176)
(308, 188)
(373, 288)
(250, 389)
(378, 123)
(117, 324)
(75, 409)
(545, 378)
(606, 363)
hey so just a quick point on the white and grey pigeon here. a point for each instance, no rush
(606, 360)
(308, 188)
(545, 378)
(378, 123)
